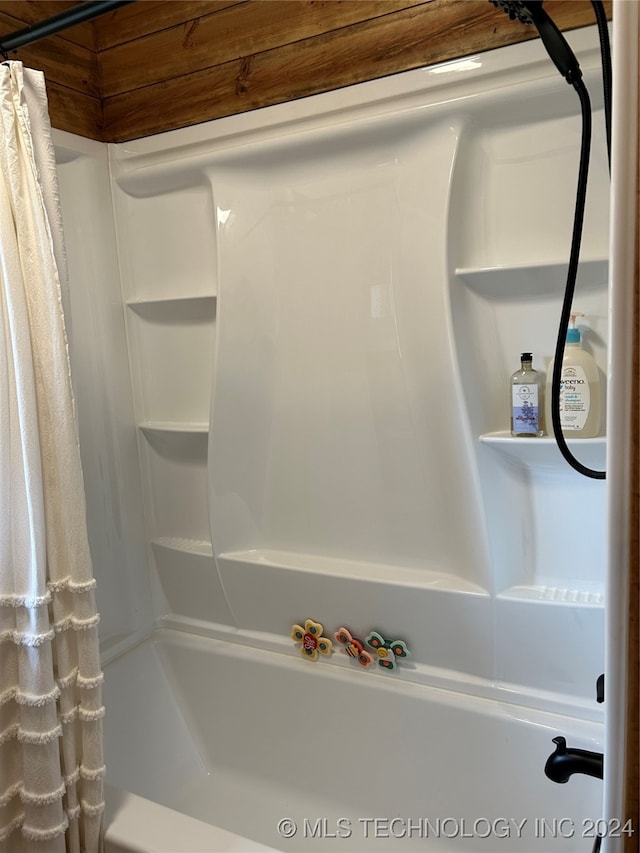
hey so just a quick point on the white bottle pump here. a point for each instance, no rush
(580, 397)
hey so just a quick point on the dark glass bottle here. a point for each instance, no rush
(527, 404)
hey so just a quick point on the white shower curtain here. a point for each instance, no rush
(51, 761)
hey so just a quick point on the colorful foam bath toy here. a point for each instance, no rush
(311, 640)
(353, 646)
(387, 651)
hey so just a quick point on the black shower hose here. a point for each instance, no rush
(574, 257)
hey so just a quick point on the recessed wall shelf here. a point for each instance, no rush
(188, 582)
(544, 452)
(555, 594)
(541, 279)
(169, 427)
(152, 309)
(173, 341)
(188, 546)
(354, 569)
(169, 265)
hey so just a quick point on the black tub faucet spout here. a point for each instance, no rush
(564, 762)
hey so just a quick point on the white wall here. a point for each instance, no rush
(100, 368)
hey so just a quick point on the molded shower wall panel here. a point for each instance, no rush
(337, 420)
(166, 242)
(340, 458)
(511, 221)
(378, 258)
(100, 371)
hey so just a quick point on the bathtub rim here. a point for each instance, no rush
(490, 698)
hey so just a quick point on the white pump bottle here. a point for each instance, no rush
(580, 395)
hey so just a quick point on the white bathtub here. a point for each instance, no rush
(219, 745)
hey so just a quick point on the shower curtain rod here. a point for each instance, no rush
(63, 20)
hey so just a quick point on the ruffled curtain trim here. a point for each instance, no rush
(50, 676)
(81, 772)
(30, 601)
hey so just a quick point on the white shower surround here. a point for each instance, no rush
(400, 241)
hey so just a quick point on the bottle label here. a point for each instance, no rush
(525, 411)
(575, 398)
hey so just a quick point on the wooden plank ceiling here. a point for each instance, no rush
(157, 65)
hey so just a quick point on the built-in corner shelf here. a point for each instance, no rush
(585, 596)
(541, 279)
(359, 570)
(188, 582)
(544, 452)
(168, 428)
(152, 308)
(197, 547)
